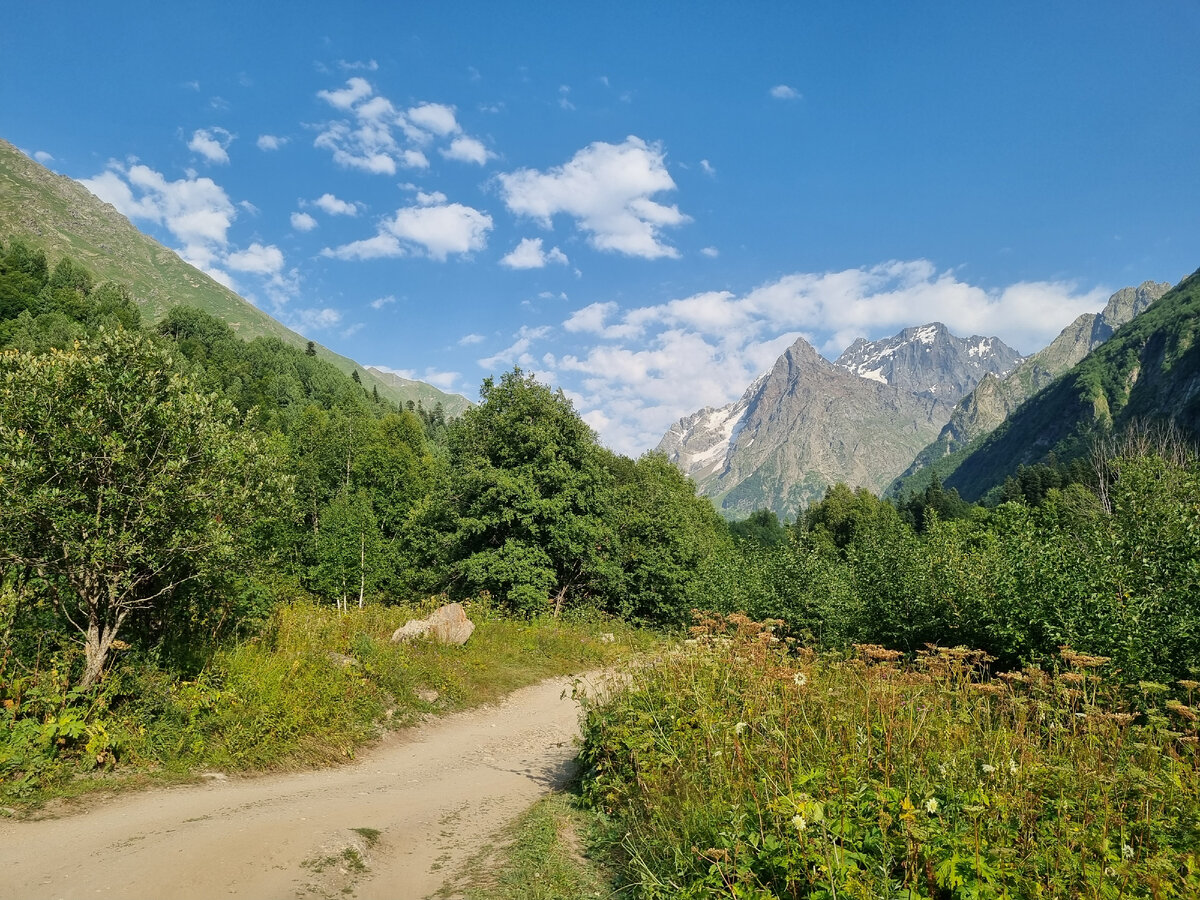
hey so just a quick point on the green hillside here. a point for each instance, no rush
(60, 216)
(1149, 370)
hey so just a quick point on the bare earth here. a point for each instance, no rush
(434, 794)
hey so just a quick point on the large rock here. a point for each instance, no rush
(447, 625)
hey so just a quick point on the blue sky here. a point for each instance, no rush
(641, 203)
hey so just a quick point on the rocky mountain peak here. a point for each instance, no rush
(929, 359)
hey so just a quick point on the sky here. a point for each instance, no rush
(641, 203)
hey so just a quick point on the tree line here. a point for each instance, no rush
(164, 486)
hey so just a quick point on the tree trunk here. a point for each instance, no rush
(362, 567)
(97, 643)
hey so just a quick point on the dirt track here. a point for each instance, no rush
(434, 794)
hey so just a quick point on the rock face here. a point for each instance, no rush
(997, 396)
(808, 423)
(447, 625)
(930, 360)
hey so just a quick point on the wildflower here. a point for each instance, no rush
(800, 678)
(1012, 767)
(931, 805)
(740, 728)
(988, 769)
(799, 822)
(1126, 851)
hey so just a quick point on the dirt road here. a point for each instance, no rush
(393, 825)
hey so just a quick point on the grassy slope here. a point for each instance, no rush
(1149, 369)
(60, 216)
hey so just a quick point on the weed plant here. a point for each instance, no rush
(309, 690)
(740, 766)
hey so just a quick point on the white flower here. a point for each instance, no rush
(988, 770)
(800, 678)
(931, 805)
(740, 728)
(1126, 851)
(1012, 767)
(800, 822)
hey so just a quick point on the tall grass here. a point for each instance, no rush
(311, 689)
(740, 767)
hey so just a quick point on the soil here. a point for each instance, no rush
(395, 824)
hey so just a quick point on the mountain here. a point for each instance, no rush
(808, 423)
(1148, 370)
(61, 217)
(997, 395)
(930, 360)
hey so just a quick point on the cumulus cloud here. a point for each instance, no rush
(436, 231)
(268, 142)
(381, 302)
(377, 137)
(529, 255)
(785, 92)
(517, 353)
(196, 211)
(302, 221)
(635, 371)
(43, 157)
(212, 144)
(710, 252)
(607, 190)
(257, 259)
(468, 339)
(468, 149)
(707, 168)
(309, 320)
(330, 204)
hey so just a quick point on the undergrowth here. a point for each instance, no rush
(311, 689)
(740, 766)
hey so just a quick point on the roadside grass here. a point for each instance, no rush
(738, 766)
(547, 854)
(310, 690)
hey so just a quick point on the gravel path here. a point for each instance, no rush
(393, 825)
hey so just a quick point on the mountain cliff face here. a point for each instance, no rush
(997, 395)
(1149, 370)
(61, 217)
(808, 423)
(930, 360)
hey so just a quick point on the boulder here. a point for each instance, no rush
(447, 625)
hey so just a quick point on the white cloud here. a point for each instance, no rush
(381, 302)
(212, 144)
(257, 259)
(268, 142)
(710, 252)
(335, 207)
(707, 168)
(196, 211)
(517, 353)
(379, 247)
(439, 231)
(302, 221)
(529, 255)
(442, 230)
(431, 199)
(355, 90)
(636, 371)
(376, 137)
(351, 66)
(308, 320)
(785, 92)
(468, 339)
(435, 118)
(43, 157)
(606, 188)
(468, 149)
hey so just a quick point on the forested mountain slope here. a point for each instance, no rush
(996, 396)
(60, 216)
(1148, 370)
